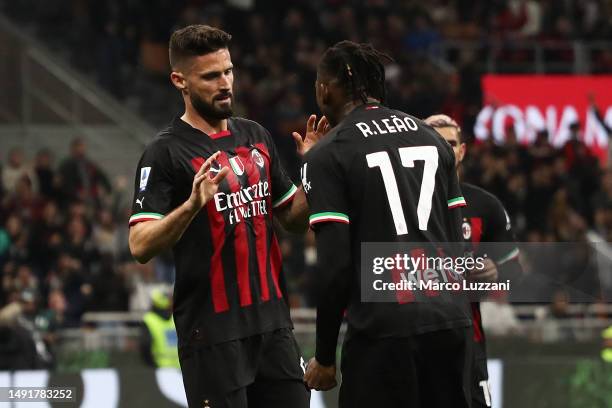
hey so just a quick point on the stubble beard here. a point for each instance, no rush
(210, 111)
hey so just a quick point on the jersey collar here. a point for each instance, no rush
(183, 128)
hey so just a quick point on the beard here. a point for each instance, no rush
(208, 110)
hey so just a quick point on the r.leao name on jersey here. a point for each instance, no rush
(393, 124)
(246, 203)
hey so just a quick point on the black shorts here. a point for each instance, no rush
(428, 370)
(265, 370)
(481, 395)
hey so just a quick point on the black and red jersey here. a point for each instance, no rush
(486, 221)
(392, 178)
(229, 282)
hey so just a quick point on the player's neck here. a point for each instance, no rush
(351, 105)
(206, 125)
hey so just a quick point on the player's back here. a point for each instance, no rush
(397, 181)
(406, 169)
(398, 172)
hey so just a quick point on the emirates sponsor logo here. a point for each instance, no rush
(246, 203)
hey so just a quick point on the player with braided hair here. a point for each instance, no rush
(359, 68)
(381, 175)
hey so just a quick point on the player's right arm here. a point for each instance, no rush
(158, 233)
(330, 220)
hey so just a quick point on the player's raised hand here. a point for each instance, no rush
(319, 377)
(313, 134)
(206, 183)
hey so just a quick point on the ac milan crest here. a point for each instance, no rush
(257, 158)
(466, 228)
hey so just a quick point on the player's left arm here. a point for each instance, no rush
(289, 204)
(294, 216)
(503, 262)
(332, 285)
(508, 261)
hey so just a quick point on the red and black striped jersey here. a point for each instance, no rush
(229, 283)
(486, 221)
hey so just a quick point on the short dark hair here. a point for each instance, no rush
(195, 40)
(358, 68)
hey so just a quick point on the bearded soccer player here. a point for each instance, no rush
(208, 187)
(381, 175)
(485, 220)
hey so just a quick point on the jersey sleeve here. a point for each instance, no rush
(153, 185)
(283, 189)
(455, 201)
(455, 196)
(500, 230)
(323, 183)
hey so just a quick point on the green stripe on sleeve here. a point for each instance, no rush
(286, 196)
(328, 216)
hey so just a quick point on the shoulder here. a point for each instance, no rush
(485, 199)
(326, 148)
(160, 149)
(243, 124)
(428, 134)
(478, 193)
(161, 143)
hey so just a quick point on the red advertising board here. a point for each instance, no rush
(533, 103)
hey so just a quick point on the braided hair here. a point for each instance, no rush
(358, 68)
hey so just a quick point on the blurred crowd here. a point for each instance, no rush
(123, 45)
(550, 194)
(63, 244)
(63, 229)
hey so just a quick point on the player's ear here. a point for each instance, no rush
(324, 92)
(178, 80)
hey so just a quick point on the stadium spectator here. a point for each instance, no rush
(80, 178)
(54, 314)
(23, 200)
(552, 320)
(158, 341)
(606, 352)
(70, 277)
(110, 290)
(45, 174)
(17, 349)
(499, 317)
(104, 235)
(15, 170)
(47, 238)
(19, 252)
